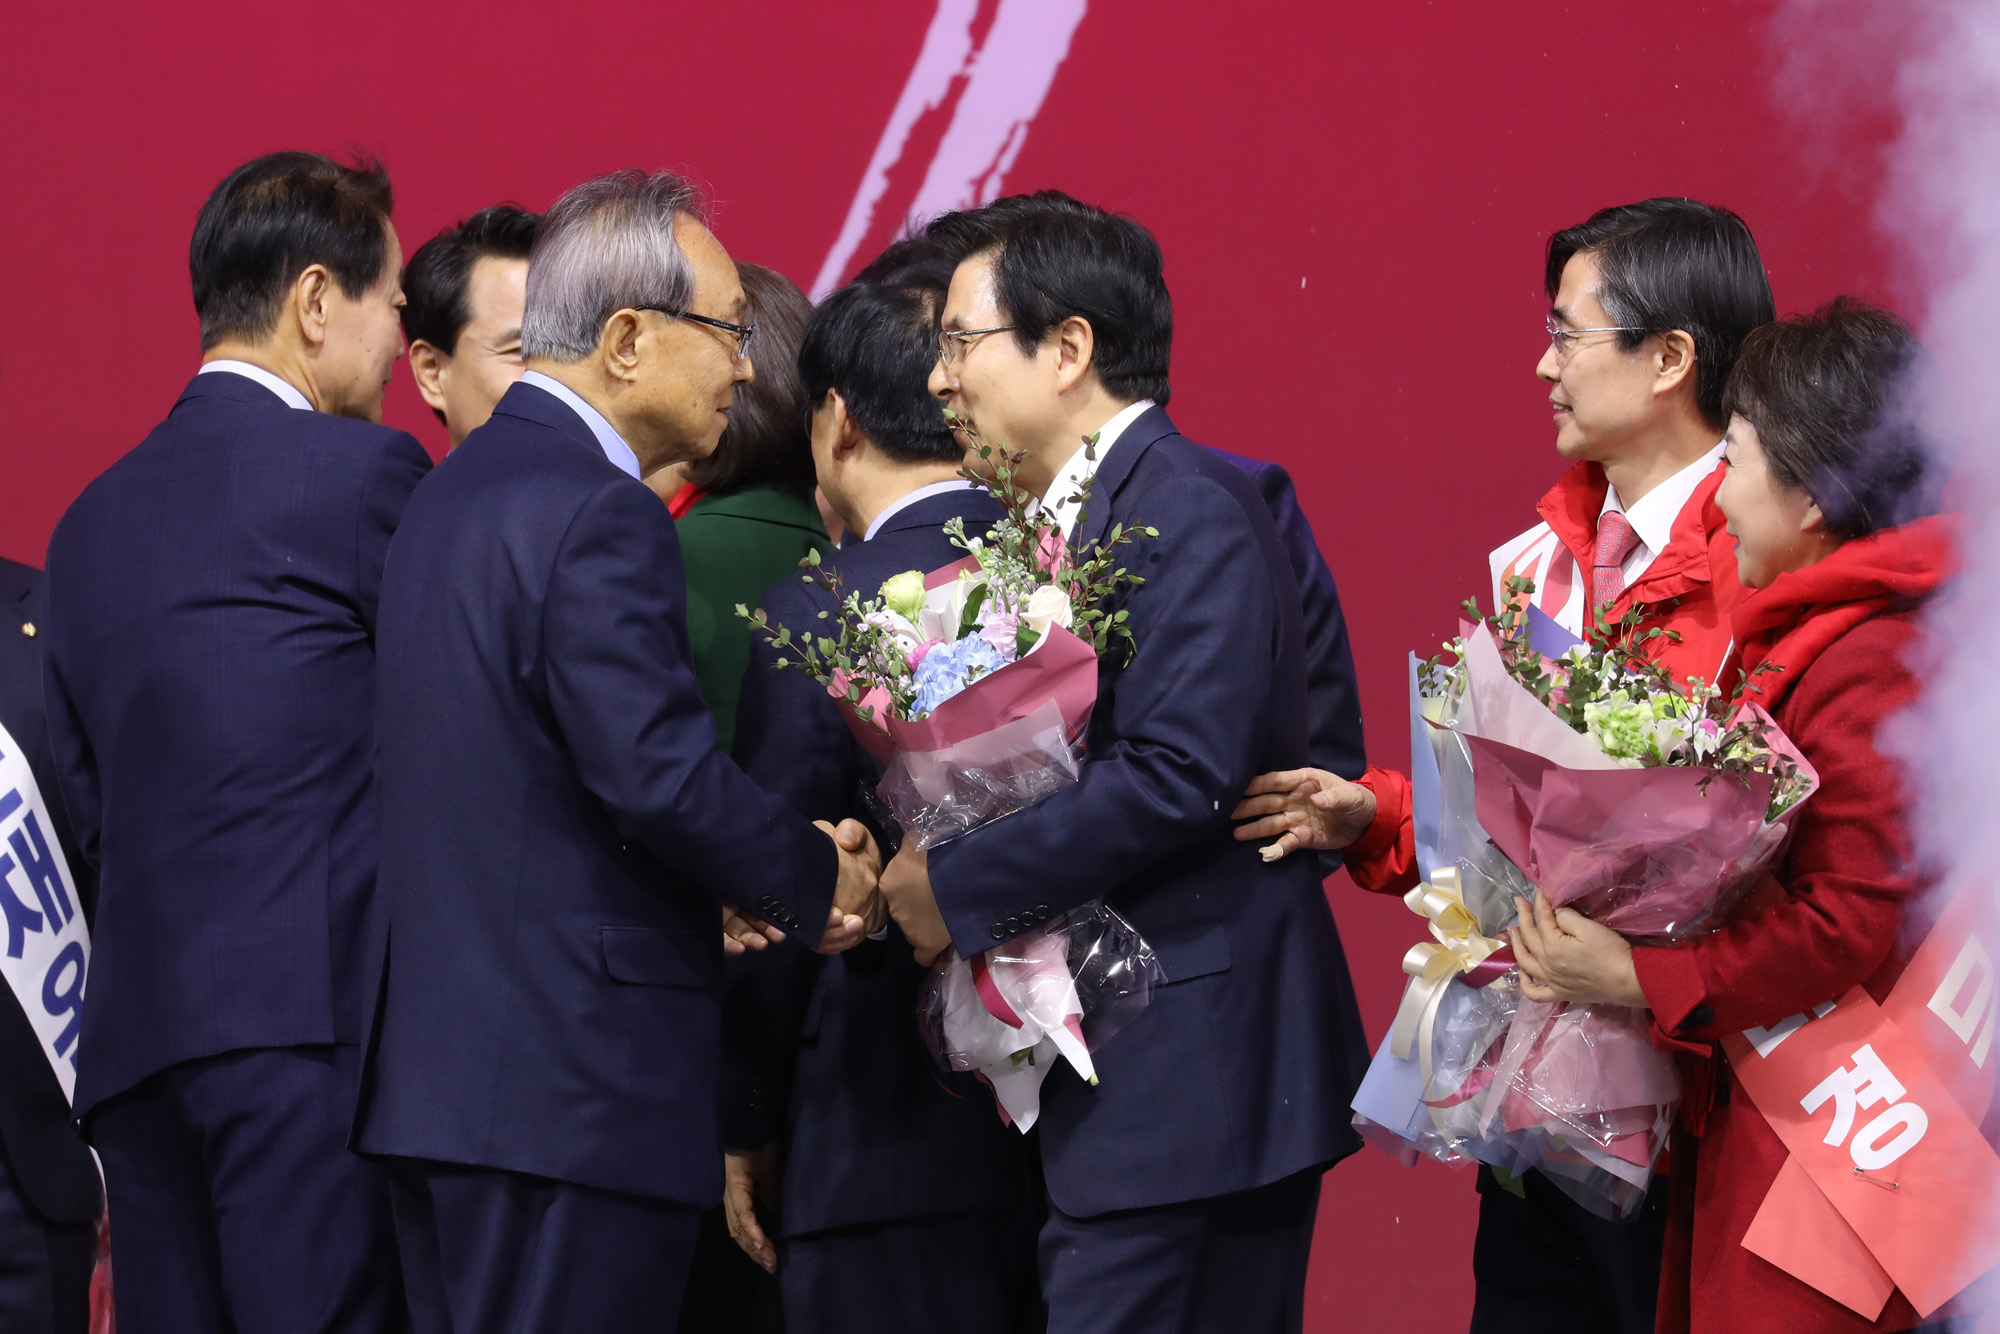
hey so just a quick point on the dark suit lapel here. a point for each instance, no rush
(1112, 471)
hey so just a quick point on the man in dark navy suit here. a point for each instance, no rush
(560, 834)
(903, 1193)
(49, 1193)
(211, 610)
(1182, 1187)
(1333, 699)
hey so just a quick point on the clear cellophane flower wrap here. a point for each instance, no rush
(1521, 802)
(1058, 992)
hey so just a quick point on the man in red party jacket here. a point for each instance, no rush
(1649, 304)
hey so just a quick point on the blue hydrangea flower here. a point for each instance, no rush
(950, 668)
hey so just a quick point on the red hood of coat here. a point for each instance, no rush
(1790, 622)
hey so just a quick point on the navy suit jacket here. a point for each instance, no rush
(211, 609)
(1240, 1071)
(1333, 699)
(558, 828)
(873, 1131)
(44, 1154)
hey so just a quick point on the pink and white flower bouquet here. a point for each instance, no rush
(973, 685)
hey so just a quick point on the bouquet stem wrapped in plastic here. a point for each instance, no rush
(1512, 800)
(1058, 992)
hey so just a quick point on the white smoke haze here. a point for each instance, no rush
(1931, 70)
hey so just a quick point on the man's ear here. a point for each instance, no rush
(848, 437)
(312, 293)
(1076, 352)
(427, 366)
(1673, 361)
(618, 344)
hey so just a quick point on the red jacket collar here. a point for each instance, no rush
(1571, 509)
(1791, 621)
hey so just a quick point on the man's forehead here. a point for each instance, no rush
(715, 279)
(972, 295)
(498, 287)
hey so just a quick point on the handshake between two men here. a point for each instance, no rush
(1303, 809)
(858, 910)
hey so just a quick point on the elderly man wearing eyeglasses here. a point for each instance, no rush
(561, 836)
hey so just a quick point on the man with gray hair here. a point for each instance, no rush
(558, 828)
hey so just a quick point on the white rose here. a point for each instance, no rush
(1047, 606)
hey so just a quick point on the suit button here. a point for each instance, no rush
(999, 931)
(1700, 1017)
(1043, 912)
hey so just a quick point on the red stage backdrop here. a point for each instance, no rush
(1353, 201)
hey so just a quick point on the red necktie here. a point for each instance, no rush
(1615, 541)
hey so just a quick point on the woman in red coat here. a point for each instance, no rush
(1820, 470)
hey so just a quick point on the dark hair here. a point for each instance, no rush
(876, 344)
(766, 442)
(1057, 258)
(435, 279)
(966, 232)
(1666, 264)
(915, 261)
(273, 218)
(1829, 396)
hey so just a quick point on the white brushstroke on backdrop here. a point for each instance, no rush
(1007, 77)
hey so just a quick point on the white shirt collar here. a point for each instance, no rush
(921, 493)
(608, 439)
(1060, 503)
(284, 389)
(1652, 518)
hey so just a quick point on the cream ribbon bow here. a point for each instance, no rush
(1459, 948)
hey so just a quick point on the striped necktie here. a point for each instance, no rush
(1616, 539)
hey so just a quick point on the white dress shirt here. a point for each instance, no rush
(282, 388)
(608, 439)
(1060, 503)
(1653, 517)
(921, 493)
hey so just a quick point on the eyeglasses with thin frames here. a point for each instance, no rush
(1564, 340)
(952, 343)
(746, 334)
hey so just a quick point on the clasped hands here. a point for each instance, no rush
(858, 906)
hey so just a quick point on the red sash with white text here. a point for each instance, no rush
(1889, 1184)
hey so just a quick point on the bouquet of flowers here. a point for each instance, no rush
(1579, 769)
(972, 685)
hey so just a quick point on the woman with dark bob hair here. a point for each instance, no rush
(1829, 496)
(746, 513)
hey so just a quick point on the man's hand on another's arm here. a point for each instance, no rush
(906, 884)
(746, 1176)
(1304, 808)
(741, 931)
(858, 907)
